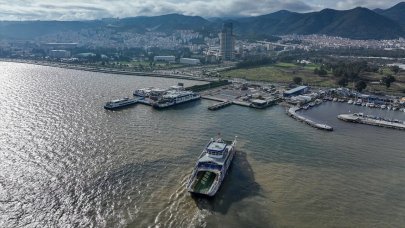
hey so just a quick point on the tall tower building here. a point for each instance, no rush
(227, 42)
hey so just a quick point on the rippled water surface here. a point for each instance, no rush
(67, 162)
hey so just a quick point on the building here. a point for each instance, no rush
(169, 58)
(227, 42)
(189, 61)
(59, 54)
(296, 91)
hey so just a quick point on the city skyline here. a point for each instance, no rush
(93, 9)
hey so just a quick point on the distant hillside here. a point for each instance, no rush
(32, 29)
(358, 23)
(164, 23)
(395, 13)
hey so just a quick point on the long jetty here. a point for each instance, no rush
(293, 113)
(363, 119)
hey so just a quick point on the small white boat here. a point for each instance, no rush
(370, 105)
(383, 106)
(350, 101)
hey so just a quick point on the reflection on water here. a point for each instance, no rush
(65, 161)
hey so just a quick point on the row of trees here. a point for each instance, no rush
(321, 72)
(350, 72)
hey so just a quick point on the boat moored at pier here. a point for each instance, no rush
(174, 96)
(120, 103)
(150, 92)
(211, 167)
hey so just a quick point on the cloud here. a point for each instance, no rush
(94, 9)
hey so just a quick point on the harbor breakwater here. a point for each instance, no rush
(293, 113)
(364, 119)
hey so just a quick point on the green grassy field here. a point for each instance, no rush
(285, 72)
(282, 73)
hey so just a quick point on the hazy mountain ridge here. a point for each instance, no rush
(395, 13)
(357, 23)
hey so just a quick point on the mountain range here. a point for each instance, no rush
(357, 23)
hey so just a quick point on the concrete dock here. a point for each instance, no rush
(292, 112)
(222, 100)
(219, 105)
(363, 119)
(212, 98)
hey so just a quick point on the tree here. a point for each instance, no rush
(342, 82)
(360, 86)
(297, 80)
(322, 71)
(395, 69)
(387, 80)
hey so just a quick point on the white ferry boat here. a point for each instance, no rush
(144, 92)
(176, 95)
(211, 167)
(150, 92)
(120, 103)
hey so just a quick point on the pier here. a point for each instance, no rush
(292, 112)
(364, 119)
(220, 105)
(145, 101)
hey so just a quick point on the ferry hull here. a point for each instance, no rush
(194, 186)
(118, 107)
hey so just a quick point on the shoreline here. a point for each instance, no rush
(105, 70)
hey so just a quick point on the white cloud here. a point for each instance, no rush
(93, 9)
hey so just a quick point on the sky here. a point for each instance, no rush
(96, 9)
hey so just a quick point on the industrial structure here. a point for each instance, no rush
(169, 58)
(296, 91)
